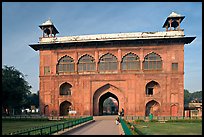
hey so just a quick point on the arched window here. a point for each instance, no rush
(65, 89)
(152, 88)
(152, 62)
(86, 63)
(65, 64)
(130, 62)
(108, 62)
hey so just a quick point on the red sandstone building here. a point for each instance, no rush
(143, 71)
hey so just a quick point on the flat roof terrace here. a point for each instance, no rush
(135, 38)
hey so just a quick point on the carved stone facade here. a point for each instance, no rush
(128, 87)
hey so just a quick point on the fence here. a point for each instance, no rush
(16, 117)
(159, 117)
(125, 127)
(27, 117)
(48, 130)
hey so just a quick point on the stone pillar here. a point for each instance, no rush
(141, 58)
(179, 21)
(50, 32)
(119, 60)
(97, 60)
(170, 21)
(75, 62)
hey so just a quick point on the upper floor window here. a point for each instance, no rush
(152, 88)
(65, 64)
(46, 70)
(86, 63)
(174, 66)
(130, 62)
(65, 89)
(108, 62)
(152, 61)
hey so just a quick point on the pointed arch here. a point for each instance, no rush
(103, 98)
(152, 88)
(152, 61)
(130, 61)
(103, 93)
(152, 107)
(65, 89)
(108, 62)
(65, 64)
(174, 110)
(86, 63)
(65, 107)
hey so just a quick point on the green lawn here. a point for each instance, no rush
(170, 128)
(12, 126)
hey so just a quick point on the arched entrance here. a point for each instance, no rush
(104, 92)
(110, 108)
(152, 107)
(65, 107)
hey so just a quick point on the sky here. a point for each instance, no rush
(21, 20)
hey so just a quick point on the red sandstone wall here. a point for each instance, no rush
(130, 87)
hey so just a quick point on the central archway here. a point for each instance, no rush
(103, 98)
(104, 92)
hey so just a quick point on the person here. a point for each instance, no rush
(117, 120)
(122, 112)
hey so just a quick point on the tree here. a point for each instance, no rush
(14, 89)
(188, 97)
(32, 99)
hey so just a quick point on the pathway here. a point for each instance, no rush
(103, 125)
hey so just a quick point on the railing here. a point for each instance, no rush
(159, 117)
(23, 116)
(48, 130)
(125, 127)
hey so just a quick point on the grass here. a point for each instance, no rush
(13, 126)
(170, 128)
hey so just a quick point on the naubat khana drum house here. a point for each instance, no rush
(142, 71)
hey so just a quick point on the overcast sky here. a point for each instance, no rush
(20, 21)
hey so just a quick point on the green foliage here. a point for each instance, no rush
(188, 97)
(108, 102)
(25, 119)
(32, 99)
(169, 128)
(14, 89)
(139, 120)
(186, 120)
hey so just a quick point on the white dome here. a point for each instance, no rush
(173, 14)
(48, 22)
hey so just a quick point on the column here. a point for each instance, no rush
(141, 58)
(97, 60)
(75, 62)
(119, 60)
(170, 21)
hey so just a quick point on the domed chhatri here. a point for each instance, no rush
(173, 20)
(49, 29)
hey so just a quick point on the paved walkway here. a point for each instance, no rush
(101, 126)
